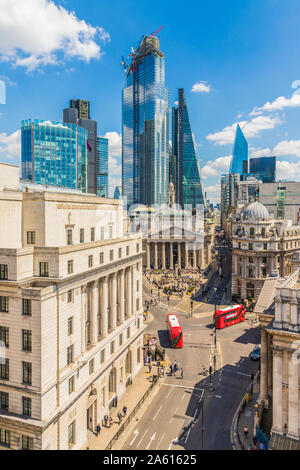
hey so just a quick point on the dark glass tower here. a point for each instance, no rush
(145, 119)
(102, 167)
(79, 113)
(239, 161)
(185, 167)
(263, 168)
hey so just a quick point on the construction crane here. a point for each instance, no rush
(157, 31)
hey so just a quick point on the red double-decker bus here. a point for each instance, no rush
(229, 316)
(175, 331)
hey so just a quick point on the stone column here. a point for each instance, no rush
(179, 254)
(171, 255)
(270, 365)
(208, 253)
(83, 316)
(104, 305)
(113, 303)
(129, 291)
(163, 255)
(194, 258)
(148, 255)
(263, 368)
(122, 299)
(201, 258)
(94, 313)
(258, 268)
(277, 390)
(186, 261)
(155, 256)
(293, 398)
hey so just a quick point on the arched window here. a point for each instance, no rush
(251, 231)
(263, 232)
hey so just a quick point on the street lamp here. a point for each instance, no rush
(202, 412)
(192, 308)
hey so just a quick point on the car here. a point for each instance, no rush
(255, 353)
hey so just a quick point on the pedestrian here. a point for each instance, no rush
(106, 420)
(124, 410)
(171, 369)
(250, 447)
(246, 431)
(181, 370)
(203, 370)
(120, 417)
(175, 368)
(262, 446)
(150, 368)
(98, 429)
(116, 401)
(163, 371)
(110, 422)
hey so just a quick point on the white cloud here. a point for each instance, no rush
(250, 129)
(10, 146)
(114, 143)
(285, 147)
(114, 160)
(216, 167)
(200, 87)
(266, 152)
(278, 105)
(34, 33)
(288, 170)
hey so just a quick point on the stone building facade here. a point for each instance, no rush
(71, 321)
(260, 245)
(280, 363)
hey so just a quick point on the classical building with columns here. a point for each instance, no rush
(280, 360)
(71, 323)
(260, 244)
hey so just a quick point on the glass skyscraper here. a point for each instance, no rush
(54, 154)
(263, 168)
(102, 167)
(145, 120)
(185, 168)
(239, 161)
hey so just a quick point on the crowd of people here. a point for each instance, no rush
(169, 282)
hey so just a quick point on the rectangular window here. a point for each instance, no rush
(31, 238)
(137, 247)
(70, 296)
(26, 406)
(91, 366)
(102, 233)
(3, 272)
(137, 303)
(121, 339)
(264, 272)
(137, 285)
(120, 252)
(128, 332)
(26, 307)
(101, 258)
(71, 384)
(70, 236)
(90, 261)
(26, 340)
(138, 354)
(264, 260)
(250, 259)
(82, 235)
(92, 234)
(4, 369)
(127, 250)
(71, 434)
(250, 246)
(112, 347)
(5, 437)
(265, 246)
(3, 304)
(111, 255)
(27, 373)
(70, 326)
(27, 443)
(138, 324)
(4, 335)
(44, 269)
(70, 266)
(70, 355)
(4, 401)
(110, 231)
(102, 356)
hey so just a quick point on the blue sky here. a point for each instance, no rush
(240, 57)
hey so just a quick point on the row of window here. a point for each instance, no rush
(26, 404)
(26, 338)
(26, 305)
(92, 237)
(26, 371)
(5, 439)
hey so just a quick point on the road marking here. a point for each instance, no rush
(160, 441)
(173, 415)
(187, 436)
(152, 438)
(142, 437)
(171, 444)
(136, 432)
(169, 393)
(183, 396)
(183, 386)
(156, 413)
(241, 373)
(196, 411)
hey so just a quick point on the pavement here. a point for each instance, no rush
(246, 419)
(134, 393)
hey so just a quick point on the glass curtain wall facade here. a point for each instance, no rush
(145, 120)
(102, 167)
(54, 154)
(263, 168)
(185, 166)
(239, 161)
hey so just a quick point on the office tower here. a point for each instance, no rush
(185, 166)
(79, 113)
(118, 192)
(239, 161)
(145, 119)
(102, 167)
(263, 168)
(54, 154)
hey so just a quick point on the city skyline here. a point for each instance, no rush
(262, 96)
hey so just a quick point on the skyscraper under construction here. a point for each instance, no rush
(145, 120)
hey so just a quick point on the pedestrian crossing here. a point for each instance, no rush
(185, 306)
